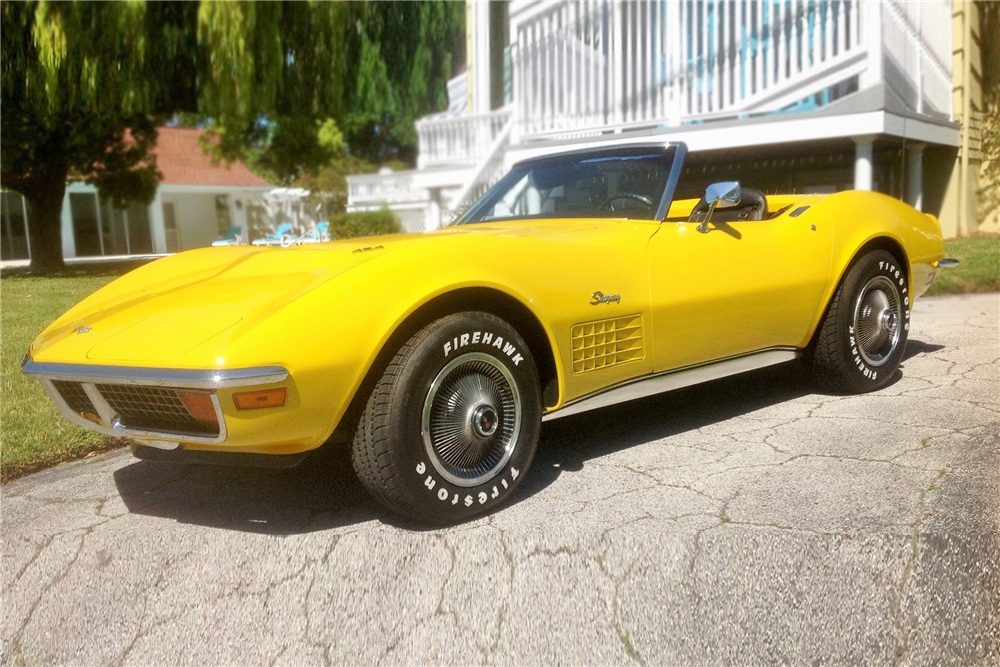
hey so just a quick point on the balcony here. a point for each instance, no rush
(586, 68)
(387, 188)
(458, 139)
(582, 68)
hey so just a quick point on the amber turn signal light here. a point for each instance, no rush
(199, 405)
(265, 398)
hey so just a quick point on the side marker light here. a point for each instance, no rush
(264, 398)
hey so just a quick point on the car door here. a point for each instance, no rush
(737, 287)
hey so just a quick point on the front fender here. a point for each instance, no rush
(860, 218)
(330, 338)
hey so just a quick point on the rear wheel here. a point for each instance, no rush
(452, 426)
(863, 335)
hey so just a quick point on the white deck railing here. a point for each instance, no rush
(488, 171)
(458, 138)
(917, 36)
(582, 66)
(393, 188)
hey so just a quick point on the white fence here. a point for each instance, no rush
(585, 65)
(384, 188)
(459, 138)
(917, 36)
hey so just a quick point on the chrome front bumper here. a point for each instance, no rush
(110, 422)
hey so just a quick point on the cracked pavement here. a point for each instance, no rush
(743, 521)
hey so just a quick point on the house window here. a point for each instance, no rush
(100, 228)
(173, 235)
(222, 214)
(86, 225)
(140, 240)
(13, 226)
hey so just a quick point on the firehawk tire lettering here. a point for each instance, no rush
(475, 337)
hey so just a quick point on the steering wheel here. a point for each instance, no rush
(625, 196)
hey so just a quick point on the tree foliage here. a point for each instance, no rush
(406, 54)
(82, 90)
(86, 84)
(372, 67)
(989, 195)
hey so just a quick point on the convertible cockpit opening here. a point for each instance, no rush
(752, 206)
(625, 182)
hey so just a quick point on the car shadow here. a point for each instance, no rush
(322, 493)
(915, 347)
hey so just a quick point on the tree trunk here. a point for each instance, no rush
(45, 220)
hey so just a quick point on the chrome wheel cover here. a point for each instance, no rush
(471, 419)
(878, 320)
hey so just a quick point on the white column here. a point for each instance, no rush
(158, 232)
(915, 175)
(479, 63)
(863, 162)
(432, 220)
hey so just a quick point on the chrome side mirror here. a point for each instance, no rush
(725, 194)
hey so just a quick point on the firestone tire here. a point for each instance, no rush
(451, 428)
(863, 336)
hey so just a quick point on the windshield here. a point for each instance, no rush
(627, 182)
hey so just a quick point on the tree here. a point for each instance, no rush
(392, 67)
(83, 89)
(989, 195)
(405, 54)
(86, 84)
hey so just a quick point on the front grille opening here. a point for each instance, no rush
(161, 409)
(74, 395)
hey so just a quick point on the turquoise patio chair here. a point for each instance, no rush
(317, 235)
(234, 236)
(282, 237)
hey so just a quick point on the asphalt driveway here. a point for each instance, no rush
(743, 521)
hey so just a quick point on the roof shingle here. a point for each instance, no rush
(182, 162)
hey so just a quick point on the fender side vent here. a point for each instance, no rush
(605, 343)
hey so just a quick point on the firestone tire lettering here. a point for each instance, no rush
(444, 493)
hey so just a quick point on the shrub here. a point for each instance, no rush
(366, 223)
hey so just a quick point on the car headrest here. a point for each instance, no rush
(752, 206)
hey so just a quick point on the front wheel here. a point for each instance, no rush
(863, 335)
(452, 426)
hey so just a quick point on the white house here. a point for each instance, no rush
(195, 204)
(785, 95)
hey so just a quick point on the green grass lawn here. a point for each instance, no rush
(979, 270)
(33, 435)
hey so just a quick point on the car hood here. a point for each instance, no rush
(159, 315)
(162, 312)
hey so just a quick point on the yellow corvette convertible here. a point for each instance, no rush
(578, 281)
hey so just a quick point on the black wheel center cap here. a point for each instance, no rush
(484, 421)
